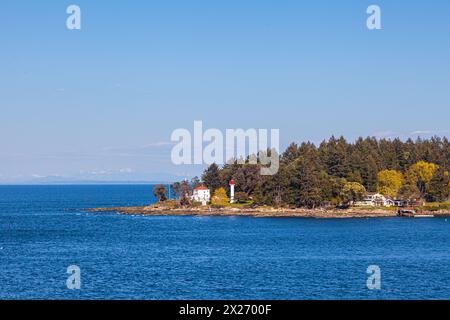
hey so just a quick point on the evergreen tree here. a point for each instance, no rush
(336, 160)
(307, 183)
(248, 178)
(292, 152)
(439, 186)
(211, 177)
(160, 192)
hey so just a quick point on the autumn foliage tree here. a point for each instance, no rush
(352, 192)
(420, 174)
(220, 198)
(390, 182)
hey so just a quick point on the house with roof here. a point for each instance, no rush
(201, 194)
(375, 199)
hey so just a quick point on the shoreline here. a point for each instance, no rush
(264, 212)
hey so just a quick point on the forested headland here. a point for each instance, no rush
(336, 172)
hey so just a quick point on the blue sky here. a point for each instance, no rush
(101, 102)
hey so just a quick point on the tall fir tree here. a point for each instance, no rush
(211, 177)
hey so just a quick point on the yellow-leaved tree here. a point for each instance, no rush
(420, 174)
(220, 197)
(390, 182)
(352, 192)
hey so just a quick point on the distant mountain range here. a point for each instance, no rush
(107, 179)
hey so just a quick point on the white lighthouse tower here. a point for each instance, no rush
(232, 191)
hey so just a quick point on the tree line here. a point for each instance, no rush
(338, 172)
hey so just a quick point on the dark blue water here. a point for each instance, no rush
(43, 230)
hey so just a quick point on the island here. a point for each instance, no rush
(336, 179)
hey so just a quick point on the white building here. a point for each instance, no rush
(375, 200)
(201, 194)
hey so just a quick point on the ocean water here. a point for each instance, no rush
(45, 229)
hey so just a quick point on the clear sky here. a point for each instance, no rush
(101, 102)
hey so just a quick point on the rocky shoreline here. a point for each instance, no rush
(264, 212)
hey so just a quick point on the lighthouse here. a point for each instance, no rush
(231, 191)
